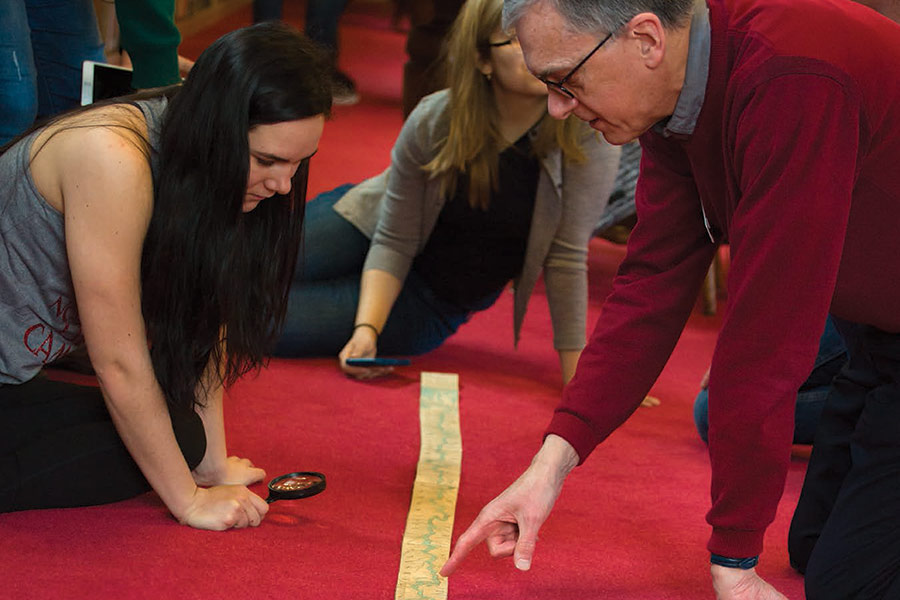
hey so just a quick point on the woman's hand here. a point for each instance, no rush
(363, 344)
(228, 503)
(650, 401)
(377, 292)
(232, 471)
(704, 383)
(224, 507)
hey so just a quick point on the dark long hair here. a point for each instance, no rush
(215, 279)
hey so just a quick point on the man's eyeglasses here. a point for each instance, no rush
(560, 86)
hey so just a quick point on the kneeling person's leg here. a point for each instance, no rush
(858, 553)
(61, 449)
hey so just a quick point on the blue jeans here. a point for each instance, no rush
(325, 293)
(42, 46)
(810, 398)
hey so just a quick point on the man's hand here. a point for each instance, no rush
(740, 584)
(509, 524)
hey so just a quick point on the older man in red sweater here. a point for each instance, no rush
(773, 126)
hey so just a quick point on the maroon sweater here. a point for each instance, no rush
(796, 161)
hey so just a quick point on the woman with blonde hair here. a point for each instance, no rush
(483, 188)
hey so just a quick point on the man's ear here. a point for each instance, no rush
(648, 31)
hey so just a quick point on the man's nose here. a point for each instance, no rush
(559, 105)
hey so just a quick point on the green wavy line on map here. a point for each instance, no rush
(437, 464)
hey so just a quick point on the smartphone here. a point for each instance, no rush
(377, 362)
(100, 81)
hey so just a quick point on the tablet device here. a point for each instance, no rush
(100, 81)
(377, 362)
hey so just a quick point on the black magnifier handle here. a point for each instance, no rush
(294, 486)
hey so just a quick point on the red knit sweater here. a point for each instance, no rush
(796, 161)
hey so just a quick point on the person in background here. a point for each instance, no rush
(755, 133)
(483, 188)
(831, 358)
(889, 8)
(321, 26)
(41, 50)
(172, 271)
(142, 34)
(423, 73)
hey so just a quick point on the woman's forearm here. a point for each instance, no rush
(213, 419)
(568, 360)
(378, 290)
(139, 411)
(211, 413)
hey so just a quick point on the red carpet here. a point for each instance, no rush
(628, 526)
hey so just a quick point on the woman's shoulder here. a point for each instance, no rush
(110, 139)
(113, 131)
(427, 123)
(431, 109)
(435, 100)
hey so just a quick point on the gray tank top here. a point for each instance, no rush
(38, 317)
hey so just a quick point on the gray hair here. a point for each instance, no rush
(608, 16)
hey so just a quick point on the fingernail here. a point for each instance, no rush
(523, 564)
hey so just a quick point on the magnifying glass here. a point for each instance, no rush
(294, 486)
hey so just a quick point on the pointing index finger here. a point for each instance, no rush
(471, 537)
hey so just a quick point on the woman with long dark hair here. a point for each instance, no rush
(161, 232)
(484, 188)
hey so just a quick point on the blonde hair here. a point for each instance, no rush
(473, 141)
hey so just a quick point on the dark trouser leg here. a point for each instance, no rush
(322, 18)
(321, 314)
(324, 293)
(830, 459)
(847, 523)
(422, 72)
(267, 10)
(332, 246)
(807, 413)
(419, 321)
(59, 448)
(63, 34)
(18, 76)
(830, 359)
